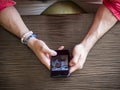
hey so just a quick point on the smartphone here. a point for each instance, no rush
(60, 64)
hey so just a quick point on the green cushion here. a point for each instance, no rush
(64, 7)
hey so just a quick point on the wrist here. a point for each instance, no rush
(32, 42)
(89, 42)
(27, 36)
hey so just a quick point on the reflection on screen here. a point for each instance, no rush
(60, 63)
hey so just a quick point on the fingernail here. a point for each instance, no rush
(54, 53)
(61, 48)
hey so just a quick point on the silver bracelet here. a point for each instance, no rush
(25, 36)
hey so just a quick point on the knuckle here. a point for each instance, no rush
(80, 67)
(75, 62)
(42, 48)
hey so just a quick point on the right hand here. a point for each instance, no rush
(42, 51)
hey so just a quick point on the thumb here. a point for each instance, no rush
(72, 69)
(50, 51)
(74, 60)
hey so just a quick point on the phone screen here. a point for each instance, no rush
(60, 64)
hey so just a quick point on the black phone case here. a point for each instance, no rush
(61, 73)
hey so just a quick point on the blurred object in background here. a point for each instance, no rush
(36, 7)
(63, 7)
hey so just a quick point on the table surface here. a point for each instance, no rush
(21, 70)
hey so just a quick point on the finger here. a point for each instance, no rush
(81, 63)
(50, 51)
(47, 50)
(61, 48)
(72, 69)
(45, 60)
(74, 60)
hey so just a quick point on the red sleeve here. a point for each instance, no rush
(113, 6)
(6, 3)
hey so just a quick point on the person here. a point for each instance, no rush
(11, 20)
(106, 17)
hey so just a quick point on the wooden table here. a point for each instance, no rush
(21, 70)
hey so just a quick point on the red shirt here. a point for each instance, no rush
(113, 6)
(6, 3)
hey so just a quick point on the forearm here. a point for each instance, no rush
(11, 20)
(103, 21)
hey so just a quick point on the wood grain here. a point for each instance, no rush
(21, 70)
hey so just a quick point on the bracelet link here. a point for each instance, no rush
(31, 36)
(27, 36)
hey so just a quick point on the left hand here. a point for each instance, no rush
(79, 58)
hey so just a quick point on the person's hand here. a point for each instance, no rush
(79, 57)
(42, 51)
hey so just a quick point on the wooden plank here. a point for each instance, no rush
(21, 70)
